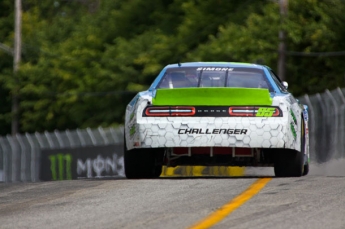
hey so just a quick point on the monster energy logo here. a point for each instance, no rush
(293, 130)
(131, 116)
(293, 117)
(265, 112)
(100, 166)
(60, 166)
(132, 131)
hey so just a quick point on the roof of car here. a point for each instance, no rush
(220, 64)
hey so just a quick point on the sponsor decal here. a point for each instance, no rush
(305, 115)
(81, 162)
(98, 166)
(293, 130)
(214, 69)
(293, 117)
(212, 131)
(131, 116)
(265, 112)
(61, 166)
(132, 131)
(293, 125)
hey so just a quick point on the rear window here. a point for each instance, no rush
(214, 77)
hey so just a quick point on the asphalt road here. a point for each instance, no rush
(314, 201)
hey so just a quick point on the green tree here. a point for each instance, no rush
(312, 26)
(316, 26)
(6, 64)
(82, 62)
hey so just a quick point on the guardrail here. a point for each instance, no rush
(326, 124)
(20, 155)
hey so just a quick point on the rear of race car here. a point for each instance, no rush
(214, 126)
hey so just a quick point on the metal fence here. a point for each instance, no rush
(20, 154)
(327, 124)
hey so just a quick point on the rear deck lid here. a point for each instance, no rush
(215, 96)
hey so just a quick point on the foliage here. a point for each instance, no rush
(82, 62)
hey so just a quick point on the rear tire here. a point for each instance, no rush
(306, 169)
(143, 163)
(289, 163)
(306, 158)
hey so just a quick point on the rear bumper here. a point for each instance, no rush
(253, 132)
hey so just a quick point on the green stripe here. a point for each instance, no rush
(212, 96)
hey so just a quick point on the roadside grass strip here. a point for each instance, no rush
(225, 210)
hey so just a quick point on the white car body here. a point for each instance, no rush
(184, 135)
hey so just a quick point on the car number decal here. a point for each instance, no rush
(265, 112)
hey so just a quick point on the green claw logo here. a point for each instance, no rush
(61, 166)
(132, 131)
(293, 130)
(293, 117)
(131, 116)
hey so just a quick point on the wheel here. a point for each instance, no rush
(306, 169)
(290, 163)
(306, 164)
(143, 163)
(158, 170)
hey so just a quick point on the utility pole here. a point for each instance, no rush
(16, 63)
(283, 8)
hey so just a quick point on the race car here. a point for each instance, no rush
(216, 114)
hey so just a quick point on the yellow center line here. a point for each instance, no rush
(224, 211)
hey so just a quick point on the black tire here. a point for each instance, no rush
(306, 162)
(143, 163)
(290, 163)
(158, 170)
(306, 169)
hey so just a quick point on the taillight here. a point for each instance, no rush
(169, 111)
(212, 111)
(255, 111)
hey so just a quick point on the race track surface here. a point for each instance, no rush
(313, 201)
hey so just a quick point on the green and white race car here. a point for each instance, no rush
(216, 114)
